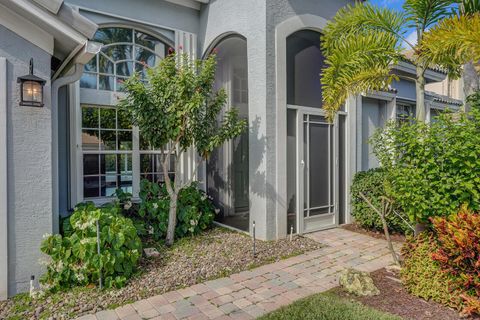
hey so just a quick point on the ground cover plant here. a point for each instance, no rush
(209, 255)
(195, 210)
(74, 259)
(327, 306)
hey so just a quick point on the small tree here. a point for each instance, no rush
(176, 108)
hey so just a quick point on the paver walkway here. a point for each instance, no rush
(249, 294)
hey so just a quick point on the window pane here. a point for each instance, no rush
(149, 42)
(104, 64)
(109, 185)
(90, 139)
(146, 163)
(91, 187)
(125, 164)
(125, 183)
(119, 52)
(90, 164)
(304, 67)
(88, 81)
(91, 65)
(141, 69)
(123, 120)
(108, 140)
(105, 83)
(125, 68)
(145, 56)
(107, 118)
(89, 117)
(108, 164)
(124, 140)
(112, 35)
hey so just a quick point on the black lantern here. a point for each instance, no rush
(31, 89)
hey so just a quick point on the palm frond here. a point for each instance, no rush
(469, 6)
(453, 42)
(357, 64)
(423, 14)
(362, 18)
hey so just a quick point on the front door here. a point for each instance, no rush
(317, 157)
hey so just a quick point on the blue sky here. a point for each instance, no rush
(394, 4)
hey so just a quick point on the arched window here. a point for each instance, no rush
(305, 62)
(228, 167)
(124, 52)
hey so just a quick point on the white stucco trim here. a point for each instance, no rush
(3, 182)
(187, 3)
(282, 31)
(26, 29)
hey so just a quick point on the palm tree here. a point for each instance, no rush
(455, 41)
(363, 42)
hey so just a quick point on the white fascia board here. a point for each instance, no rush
(432, 75)
(26, 29)
(51, 5)
(194, 4)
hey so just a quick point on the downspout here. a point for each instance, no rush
(56, 85)
(90, 50)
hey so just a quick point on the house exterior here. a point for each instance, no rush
(290, 172)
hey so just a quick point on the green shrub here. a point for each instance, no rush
(434, 168)
(74, 260)
(458, 253)
(195, 210)
(423, 277)
(372, 184)
(444, 265)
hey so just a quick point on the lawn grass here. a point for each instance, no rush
(327, 306)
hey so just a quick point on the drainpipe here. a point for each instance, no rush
(90, 50)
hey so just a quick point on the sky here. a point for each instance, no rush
(397, 5)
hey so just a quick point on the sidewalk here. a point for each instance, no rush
(250, 294)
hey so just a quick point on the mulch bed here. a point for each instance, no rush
(375, 234)
(395, 299)
(216, 253)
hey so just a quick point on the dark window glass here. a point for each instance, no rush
(305, 62)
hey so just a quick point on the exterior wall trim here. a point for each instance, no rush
(132, 20)
(3, 182)
(282, 31)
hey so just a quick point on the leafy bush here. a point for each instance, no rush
(74, 258)
(372, 184)
(434, 168)
(423, 277)
(458, 252)
(195, 210)
(445, 265)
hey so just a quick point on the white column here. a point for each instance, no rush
(3, 182)
(188, 44)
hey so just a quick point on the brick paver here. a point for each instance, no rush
(250, 294)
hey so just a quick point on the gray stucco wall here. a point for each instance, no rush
(247, 18)
(156, 12)
(29, 156)
(257, 21)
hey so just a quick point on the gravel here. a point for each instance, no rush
(214, 254)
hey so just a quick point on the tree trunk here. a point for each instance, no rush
(471, 81)
(421, 113)
(172, 219)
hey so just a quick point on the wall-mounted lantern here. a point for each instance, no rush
(31, 89)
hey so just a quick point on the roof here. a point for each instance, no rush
(435, 97)
(68, 28)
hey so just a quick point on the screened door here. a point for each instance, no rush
(317, 172)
